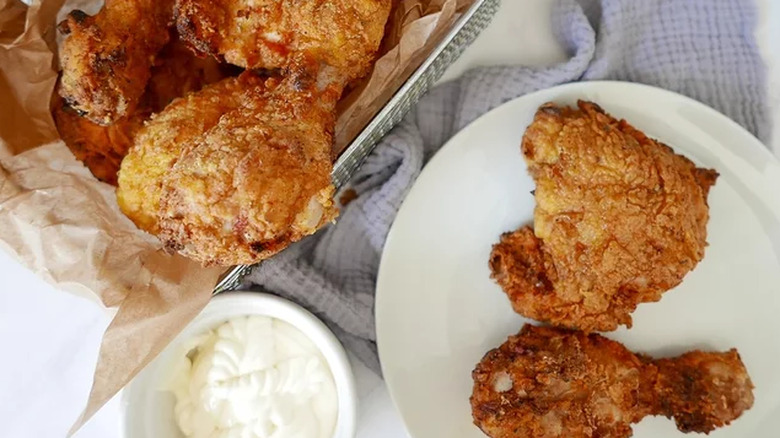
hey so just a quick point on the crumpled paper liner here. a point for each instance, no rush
(65, 225)
(413, 30)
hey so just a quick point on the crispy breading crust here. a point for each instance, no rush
(619, 220)
(256, 181)
(164, 140)
(552, 382)
(102, 148)
(344, 34)
(106, 58)
(236, 172)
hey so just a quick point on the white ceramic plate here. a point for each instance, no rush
(438, 312)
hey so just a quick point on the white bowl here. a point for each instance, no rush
(148, 406)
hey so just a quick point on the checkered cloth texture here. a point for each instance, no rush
(703, 49)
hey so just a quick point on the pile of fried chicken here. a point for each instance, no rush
(619, 220)
(215, 118)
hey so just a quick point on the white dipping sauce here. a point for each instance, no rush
(254, 377)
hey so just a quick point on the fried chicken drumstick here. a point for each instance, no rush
(549, 382)
(234, 173)
(343, 34)
(106, 58)
(619, 219)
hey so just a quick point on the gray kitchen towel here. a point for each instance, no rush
(704, 49)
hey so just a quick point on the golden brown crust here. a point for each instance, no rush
(102, 148)
(256, 181)
(344, 34)
(106, 58)
(527, 274)
(552, 382)
(620, 219)
(236, 172)
(163, 140)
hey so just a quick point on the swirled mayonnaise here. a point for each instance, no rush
(254, 377)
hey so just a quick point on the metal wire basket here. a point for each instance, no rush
(463, 33)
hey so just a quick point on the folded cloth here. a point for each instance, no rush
(700, 48)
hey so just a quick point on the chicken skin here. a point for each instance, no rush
(102, 148)
(235, 173)
(106, 58)
(549, 382)
(344, 34)
(619, 219)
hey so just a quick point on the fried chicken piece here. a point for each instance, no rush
(549, 382)
(235, 173)
(102, 148)
(106, 58)
(619, 220)
(255, 182)
(344, 34)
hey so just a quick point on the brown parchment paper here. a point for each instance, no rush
(413, 30)
(65, 225)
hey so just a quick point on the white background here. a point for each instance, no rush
(49, 340)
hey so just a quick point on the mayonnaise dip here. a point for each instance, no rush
(254, 377)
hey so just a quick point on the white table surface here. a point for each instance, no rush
(50, 339)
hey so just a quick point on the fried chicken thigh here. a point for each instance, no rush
(620, 219)
(102, 148)
(549, 382)
(236, 172)
(343, 34)
(106, 58)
